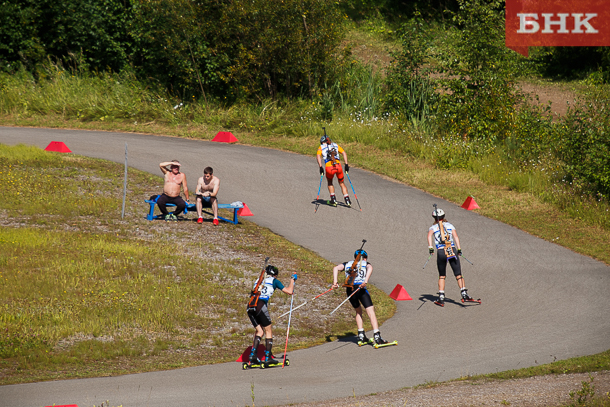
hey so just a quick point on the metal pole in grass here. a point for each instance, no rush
(124, 184)
(288, 329)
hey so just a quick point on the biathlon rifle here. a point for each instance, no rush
(331, 153)
(445, 240)
(352, 272)
(256, 293)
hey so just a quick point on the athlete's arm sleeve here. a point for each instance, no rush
(341, 151)
(320, 150)
(277, 284)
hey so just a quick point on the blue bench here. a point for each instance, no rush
(193, 208)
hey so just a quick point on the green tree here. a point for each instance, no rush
(96, 29)
(479, 97)
(409, 91)
(285, 47)
(172, 45)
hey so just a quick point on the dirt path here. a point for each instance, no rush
(557, 95)
(551, 390)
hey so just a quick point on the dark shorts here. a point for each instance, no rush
(361, 297)
(441, 263)
(206, 201)
(261, 318)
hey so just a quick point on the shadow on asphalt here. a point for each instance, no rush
(324, 202)
(429, 298)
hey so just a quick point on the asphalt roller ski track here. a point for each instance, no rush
(541, 302)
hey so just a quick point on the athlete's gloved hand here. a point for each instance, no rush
(346, 167)
(431, 249)
(294, 276)
(459, 252)
(321, 171)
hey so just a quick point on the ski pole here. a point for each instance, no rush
(346, 299)
(288, 329)
(350, 182)
(429, 257)
(466, 259)
(319, 189)
(296, 308)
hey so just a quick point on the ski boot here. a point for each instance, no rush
(252, 362)
(378, 339)
(362, 339)
(441, 299)
(333, 201)
(348, 202)
(380, 342)
(269, 361)
(468, 298)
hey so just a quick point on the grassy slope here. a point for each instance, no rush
(101, 296)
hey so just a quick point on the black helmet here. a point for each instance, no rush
(324, 139)
(271, 270)
(360, 251)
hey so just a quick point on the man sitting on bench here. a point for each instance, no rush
(207, 190)
(174, 181)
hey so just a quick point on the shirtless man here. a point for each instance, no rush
(207, 189)
(174, 181)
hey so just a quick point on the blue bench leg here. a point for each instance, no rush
(151, 214)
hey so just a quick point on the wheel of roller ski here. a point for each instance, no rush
(287, 363)
(263, 365)
(244, 366)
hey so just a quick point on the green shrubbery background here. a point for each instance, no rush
(450, 95)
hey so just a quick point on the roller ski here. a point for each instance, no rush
(332, 201)
(379, 342)
(441, 299)
(363, 340)
(269, 361)
(274, 363)
(348, 202)
(252, 365)
(468, 298)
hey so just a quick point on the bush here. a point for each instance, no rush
(585, 145)
(409, 93)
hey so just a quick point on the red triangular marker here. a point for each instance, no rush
(400, 294)
(245, 211)
(58, 146)
(245, 357)
(225, 137)
(470, 204)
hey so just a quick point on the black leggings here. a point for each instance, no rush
(441, 262)
(178, 201)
